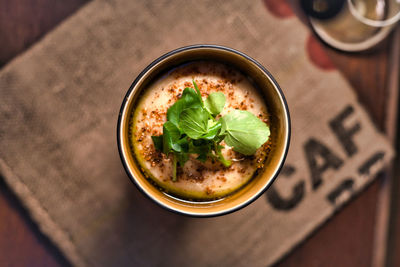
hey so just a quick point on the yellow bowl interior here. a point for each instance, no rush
(279, 126)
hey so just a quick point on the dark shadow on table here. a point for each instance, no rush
(14, 203)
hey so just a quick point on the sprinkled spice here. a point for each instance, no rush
(196, 180)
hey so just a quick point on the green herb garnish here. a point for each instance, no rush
(244, 131)
(192, 128)
(215, 103)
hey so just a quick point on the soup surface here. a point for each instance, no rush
(196, 180)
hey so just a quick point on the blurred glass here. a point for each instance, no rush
(375, 13)
(360, 24)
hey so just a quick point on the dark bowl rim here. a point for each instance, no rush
(191, 47)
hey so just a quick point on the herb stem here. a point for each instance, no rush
(221, 158)
(174, 161)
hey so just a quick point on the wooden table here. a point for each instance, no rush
(346, 240)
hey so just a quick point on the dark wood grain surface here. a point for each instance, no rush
(347, 238)
(22, 23)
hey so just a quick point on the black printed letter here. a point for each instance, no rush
(313, 149)
(346, 185)
(345, 134)
(280, 203)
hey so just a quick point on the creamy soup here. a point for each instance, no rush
(196, 180)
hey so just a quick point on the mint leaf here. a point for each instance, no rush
(184, 144)
(189, 99)
(171, 136)
(244, 131)
(194, 122)
(200, 147)
(215, 103)
(191, 128)
(198, 92)
(174, 111)
(213, 129)
(158, 142)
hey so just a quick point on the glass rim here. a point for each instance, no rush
(371, 22)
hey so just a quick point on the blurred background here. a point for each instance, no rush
(366, 232)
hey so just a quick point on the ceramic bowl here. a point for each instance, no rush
(279, 126)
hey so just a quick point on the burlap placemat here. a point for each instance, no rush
(58, 152)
